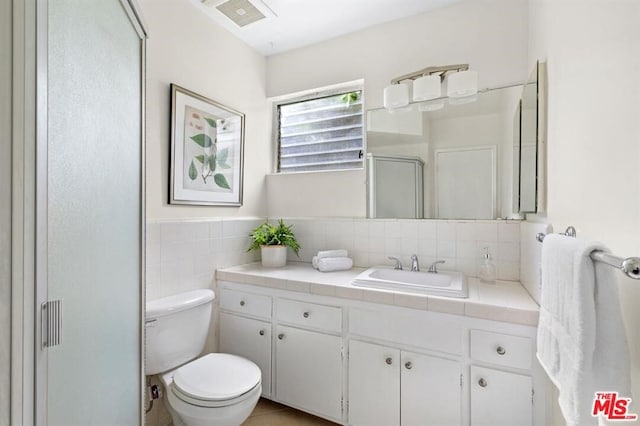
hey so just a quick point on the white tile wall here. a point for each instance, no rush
(371, 241)
(183, 255)
(531, 255)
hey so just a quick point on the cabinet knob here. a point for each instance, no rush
(408, 365)
(262, 332)
(281, 336)
(482, 383)
(389, 361)
(242, 303)
(500, 350)
(306, 314)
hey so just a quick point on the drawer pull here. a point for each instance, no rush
(262, 332)
(306, 314)
(281, 336)
(482, 383)
(389, 361)
(242, 303)
(408, 365)
(500, 350)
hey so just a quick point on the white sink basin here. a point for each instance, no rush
(449, 284)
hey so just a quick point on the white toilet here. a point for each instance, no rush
(215, 389)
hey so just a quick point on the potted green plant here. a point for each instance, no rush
(273, 240)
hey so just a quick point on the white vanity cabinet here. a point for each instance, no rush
(430, 390)
(427, 386)
(243, 334)
(390, 386)
(308, 356)
(500, 398)
(502, 394)
(298, 346)
(309, 371)
(374, 384)
(362, 363)
(251, 339)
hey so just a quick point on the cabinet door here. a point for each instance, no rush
(374, 384)
(431, 391)
(500, 398)
(250, 339)
(309, 371)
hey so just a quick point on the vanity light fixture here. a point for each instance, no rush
(462, 84)
(427, 85)
(396, 96)
(426, 88)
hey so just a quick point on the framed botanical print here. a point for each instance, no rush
(207, 151)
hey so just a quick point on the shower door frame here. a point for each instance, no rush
(38, 358)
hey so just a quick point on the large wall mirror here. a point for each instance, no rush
(477, 159)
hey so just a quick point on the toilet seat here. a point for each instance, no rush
(216, 380)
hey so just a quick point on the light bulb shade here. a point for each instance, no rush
(426, 88)
(396, 96)
(462, 84)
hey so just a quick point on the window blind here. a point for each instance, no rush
(321, 134)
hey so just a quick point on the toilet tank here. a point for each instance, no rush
(176, 329)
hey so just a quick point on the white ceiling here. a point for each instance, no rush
(290, 24)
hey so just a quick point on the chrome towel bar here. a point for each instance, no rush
(629, 265)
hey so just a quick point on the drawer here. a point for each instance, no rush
(501, 349)
(307, 314)
(256, 305)
(428, 330)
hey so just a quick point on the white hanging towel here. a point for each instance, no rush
(582, 344)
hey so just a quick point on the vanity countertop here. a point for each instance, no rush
(505, 301)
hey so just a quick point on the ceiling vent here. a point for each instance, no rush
(242, 12)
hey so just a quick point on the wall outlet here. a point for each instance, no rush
(154, 392)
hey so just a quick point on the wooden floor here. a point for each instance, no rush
(269, 413)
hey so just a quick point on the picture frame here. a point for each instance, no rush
(207, 151)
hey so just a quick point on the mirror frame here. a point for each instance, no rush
(541, 143)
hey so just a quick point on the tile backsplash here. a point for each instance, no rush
(371, 241)
(183, 255)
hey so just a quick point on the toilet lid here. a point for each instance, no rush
(216, 377)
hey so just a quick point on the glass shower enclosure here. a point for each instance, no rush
(90, 216)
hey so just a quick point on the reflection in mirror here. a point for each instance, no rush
(470, 152)
(396, 184)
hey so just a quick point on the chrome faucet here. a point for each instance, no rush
(398, 264)
(433, 268)
(415, 266)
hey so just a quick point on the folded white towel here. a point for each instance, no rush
(314, 261)
(329, 264)
(332, 253)
(581, 339)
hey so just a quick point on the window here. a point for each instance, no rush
(321, 133)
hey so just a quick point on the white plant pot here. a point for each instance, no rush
(273, 256)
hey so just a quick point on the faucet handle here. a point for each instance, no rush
(398, 264)
(433, 268)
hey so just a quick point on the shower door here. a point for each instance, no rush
(90, 214)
